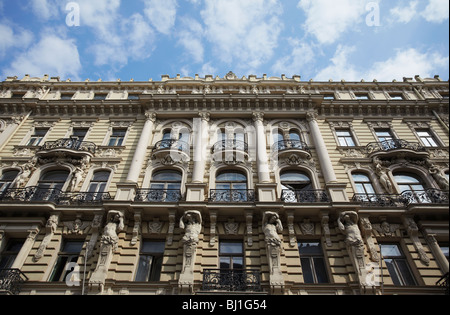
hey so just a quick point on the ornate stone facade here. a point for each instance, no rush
(201, 185)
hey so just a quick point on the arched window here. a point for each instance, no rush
(231, 186)
(165, 186)
(7, 179)
(98, 184)
(294, 180)
(294, 135)
(412, 188)
(50, 185)
(363, 184)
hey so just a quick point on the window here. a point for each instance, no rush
(100, 97)
(98, 184)
(170, 141)
(50, 186)
(363, 185)
(231, 255)
(37, 137)
(79, 133)
(117, 137)
(8, 256)
(345, 138)
(386, 139)
(295, 181)
(70, 251)
(165, 186)
(313, 262)
(150, 261)
(7, 179)
(66, 97)
(231, 186)
(362, 96)
(427, 138)
(396, 97)
(397, 265)
(411, 187)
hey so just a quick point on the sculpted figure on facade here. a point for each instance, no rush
(191, 223)
(108, 246)
(384, 178)
(271, 227)
(50, 229)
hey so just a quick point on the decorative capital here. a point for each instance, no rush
(150, 116)
(258, 116)
(311, 116)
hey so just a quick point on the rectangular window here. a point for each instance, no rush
(69, 254)
(345, 138)
(313, 262)
(397, 265)
(427, 138)
(150, 261)
(117, 137)
(37, 137)
(231, 255)
(8, 256)
(79, 133)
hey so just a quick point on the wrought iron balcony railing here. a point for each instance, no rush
(231, 280)
(432, 196)
(11, 281)
(429, 196)
(158, 195)
(443, 283)
(230, 145)
(304, 196)
(393, 144)
(232, 195)
(289, 145)
(172, 144)
(69, 144)
(52, 195)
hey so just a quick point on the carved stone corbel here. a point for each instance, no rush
(290, 220)
(172, 214)
(95, 227)
(366, 228)
(249, 225)
(326, 227)
(50, 229)
(136, 228)
(213, 224)
(413, 232)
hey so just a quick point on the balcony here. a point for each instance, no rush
(231, 280)
(390, 148)
(305, 196)
(68, 147)
(429, 196)
(11, 281)
(158, 195)
(230, 151)
(232, 195)
(52, 195)
(174, 150)
(286, 148)
(443, 283)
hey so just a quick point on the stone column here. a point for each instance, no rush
(322, 152)
(261, 148)
(141, 149)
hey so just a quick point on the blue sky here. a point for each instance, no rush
(144, 39)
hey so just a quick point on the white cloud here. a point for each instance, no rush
(162, 14)
(405, 63)
(11, 38)
(405, 14)
(52, 55)
(436, 11)
(301, 56)
(340, 68)
(243, 33)
(190, 37)
(408, 63)
(45, 9)
(327, 20)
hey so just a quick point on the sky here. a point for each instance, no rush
(352, 40)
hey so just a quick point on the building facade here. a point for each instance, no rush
(223, 185)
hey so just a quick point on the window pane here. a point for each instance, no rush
(101, 177)
(166, 176)
(153, 247)
(294, 177)
(405, 272)
(361, 178)
(144, 266)
(231, 177)
(310, 248)
(238, 263)
(55, 176)
(307, 270)
(73, 247)
(402, 179)
(225, 263)
(9, 175)
(390, 250)
(321, 270)
(231, 248)
(393, 271)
